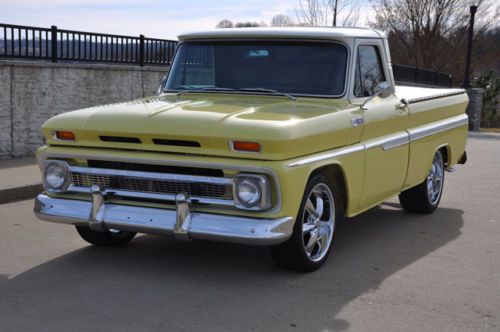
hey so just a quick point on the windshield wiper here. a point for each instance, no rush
(208, 88)
(276, 92)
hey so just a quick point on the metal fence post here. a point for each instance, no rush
(53, 43)
(141, 50)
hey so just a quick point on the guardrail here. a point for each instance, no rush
(412, 74)
(18, 41)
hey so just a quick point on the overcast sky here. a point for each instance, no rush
(153, 18)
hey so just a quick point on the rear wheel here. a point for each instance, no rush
(312, 237)
(107, 238)
(425, 197)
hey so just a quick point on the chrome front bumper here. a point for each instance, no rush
(182, 223)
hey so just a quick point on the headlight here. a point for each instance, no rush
(55, 176)
(248, 192)
(251, 192)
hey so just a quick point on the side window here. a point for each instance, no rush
(369, 71)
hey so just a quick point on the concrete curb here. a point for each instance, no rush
(483, 135)
(9, 195)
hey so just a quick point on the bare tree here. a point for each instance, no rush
(430, 33)
(328, 12)
(282, 21)
(225, 24)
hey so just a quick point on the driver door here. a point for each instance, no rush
(384, 132)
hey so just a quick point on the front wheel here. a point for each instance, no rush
(312, 237)
(107, 238)
(425, 197)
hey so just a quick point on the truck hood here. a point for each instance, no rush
(204, 123)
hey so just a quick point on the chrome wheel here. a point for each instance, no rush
(435, 179)
(318, 221)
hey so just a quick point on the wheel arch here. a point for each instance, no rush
(336, 174)
(445, 150)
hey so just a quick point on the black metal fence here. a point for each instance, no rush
(17, 41)
(412, 74)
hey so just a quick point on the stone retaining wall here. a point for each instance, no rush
(33, 91)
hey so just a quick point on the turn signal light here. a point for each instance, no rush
(65, 135)
(245, 146)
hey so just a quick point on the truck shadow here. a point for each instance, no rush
(159, 284)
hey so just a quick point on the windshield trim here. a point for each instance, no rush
(347, 63)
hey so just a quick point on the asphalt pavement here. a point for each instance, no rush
(390, 271)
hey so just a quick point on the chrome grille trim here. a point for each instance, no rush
(151, 175)
(160, 197)
(150, 185)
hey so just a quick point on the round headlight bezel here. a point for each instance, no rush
(249, 192)
(54, 170)
(261, 199)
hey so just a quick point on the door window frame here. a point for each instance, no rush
(379, 45)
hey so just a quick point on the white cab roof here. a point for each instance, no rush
(295, 32)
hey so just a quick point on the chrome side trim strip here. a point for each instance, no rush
(162, 197)
(333, 154)
(389, 142)
(396, 142)
(438, 126)
(151, 175)
(216, 227)
(436, 96)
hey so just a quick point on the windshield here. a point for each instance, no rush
(299, 68)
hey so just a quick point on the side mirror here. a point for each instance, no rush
(382, 90)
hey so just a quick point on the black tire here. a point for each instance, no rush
(107, 238)
(292, 254)
(421, 199)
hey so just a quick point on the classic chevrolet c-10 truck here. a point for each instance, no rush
(257, 136)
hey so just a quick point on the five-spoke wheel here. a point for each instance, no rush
(435, 179)
(318, 221)
(313, 233)
(425, 197)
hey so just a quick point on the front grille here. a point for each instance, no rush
(155, 186)
(87, 180)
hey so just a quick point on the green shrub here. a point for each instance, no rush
(490, 82)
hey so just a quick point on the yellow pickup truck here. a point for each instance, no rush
(257, 136)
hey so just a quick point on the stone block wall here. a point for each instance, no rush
(33, 91)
